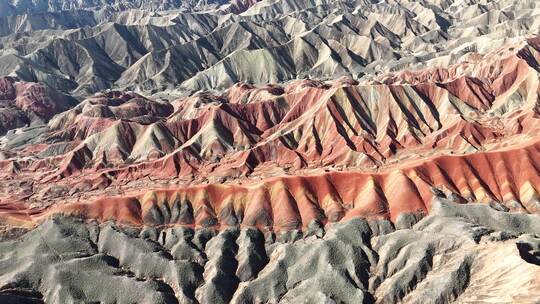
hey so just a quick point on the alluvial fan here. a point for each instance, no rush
(274, 151)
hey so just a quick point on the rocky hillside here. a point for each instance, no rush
(270, 151)
(152, 49)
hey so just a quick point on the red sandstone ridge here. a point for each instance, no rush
(289, 202)
(394, 138)
(23, 103)
(497, 69)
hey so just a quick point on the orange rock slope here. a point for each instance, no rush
(508, 176)
(282, 156)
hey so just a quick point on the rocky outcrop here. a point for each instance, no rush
(294, 202)
(90, 46)
(456, 132)
(25, 104)
(274, 151)
(458, 253)
(14, 7)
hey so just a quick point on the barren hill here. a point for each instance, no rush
(275, 151)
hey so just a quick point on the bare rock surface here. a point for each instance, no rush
(86, 46)
(269, 151)
(449, 256)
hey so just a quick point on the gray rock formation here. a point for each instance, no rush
(152, 46)
(17, 7)
(458, 253)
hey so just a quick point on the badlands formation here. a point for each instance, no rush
(275, 151)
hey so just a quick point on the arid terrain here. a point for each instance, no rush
(275, 151)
